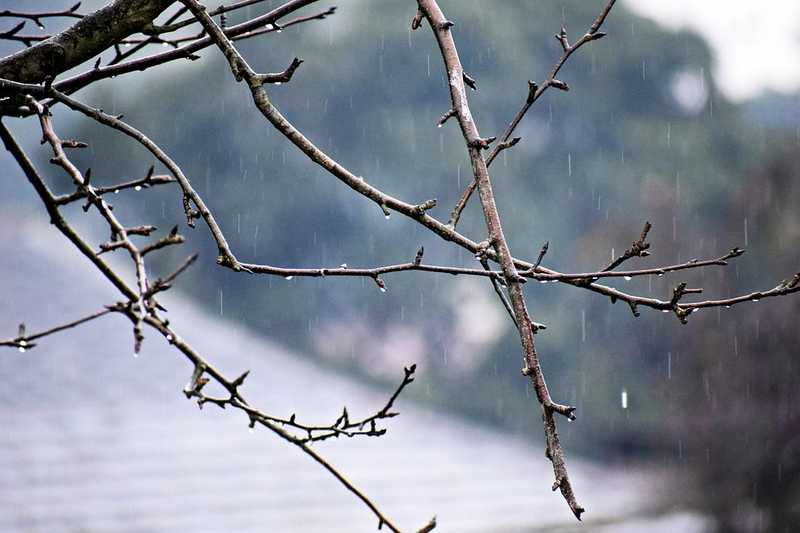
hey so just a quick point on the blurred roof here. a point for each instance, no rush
(95, 440)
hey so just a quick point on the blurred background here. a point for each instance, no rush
(686, 115)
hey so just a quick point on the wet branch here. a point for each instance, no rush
(24, 341)
(475, 144)
(535, 91)
(142, 308)
(343, 426)
(267, 23)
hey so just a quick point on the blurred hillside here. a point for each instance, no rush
(643, 135)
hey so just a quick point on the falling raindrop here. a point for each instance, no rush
(569, 164)
(624, 398)
(746, 243)
(669, 365)
(583, 325)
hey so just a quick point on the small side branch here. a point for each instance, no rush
(535, 91)
(37, 16)
(24, 341)
(638, 249)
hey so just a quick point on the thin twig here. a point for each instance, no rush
(638, 249)
(535, 91)
(152, 318)
(24, 341)
(250, 28)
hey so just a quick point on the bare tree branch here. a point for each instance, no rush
(79, 43)
(497, 240)
(535, 91)
(257, 26)
(142, 308)
(37, 16)
(27, 87)
(24, 341)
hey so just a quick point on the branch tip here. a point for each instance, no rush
(419, 256)
(430, 526)
(469, 81)
(533, 88)
(416, 22)
(445, 117)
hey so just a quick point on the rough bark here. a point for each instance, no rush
(81, 42)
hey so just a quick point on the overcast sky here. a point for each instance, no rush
(756, 44)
